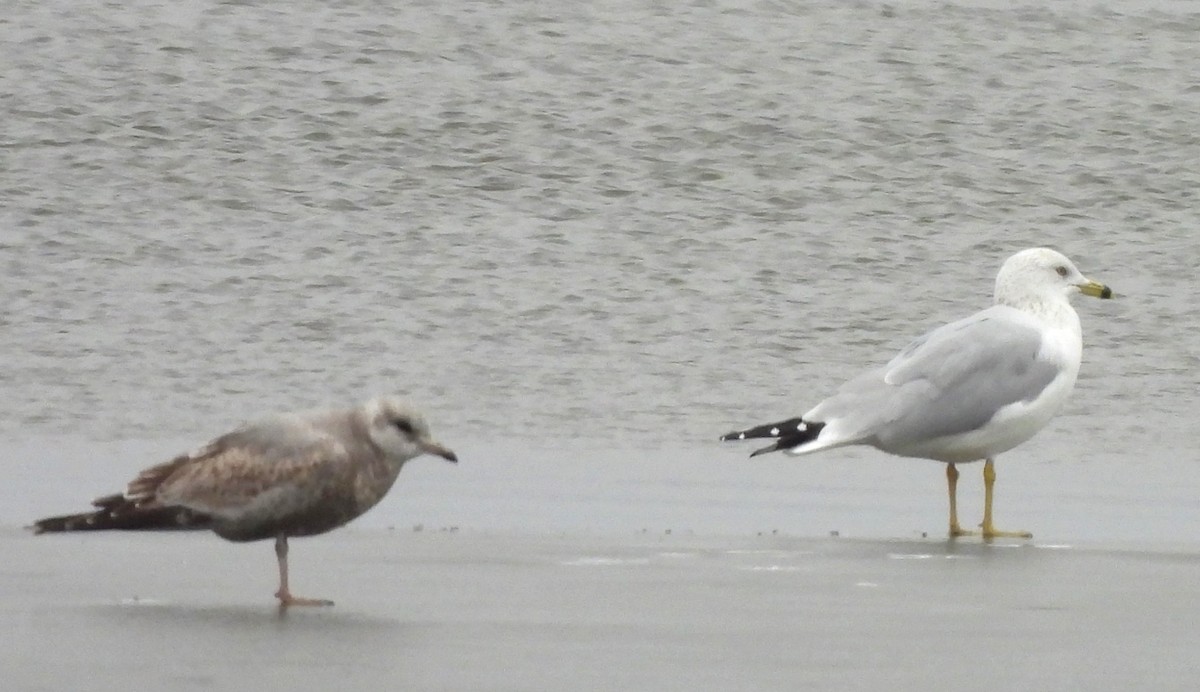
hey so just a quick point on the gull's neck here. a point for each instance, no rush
(1054, 309)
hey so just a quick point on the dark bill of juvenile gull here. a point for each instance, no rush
(297, 474)
(966, 391)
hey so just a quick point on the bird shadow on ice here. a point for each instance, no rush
(969, 547)
(251, 616)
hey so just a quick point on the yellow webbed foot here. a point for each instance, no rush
(989, 532)
(956, 531)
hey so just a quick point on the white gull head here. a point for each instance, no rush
(1041, 280)
(400, 431)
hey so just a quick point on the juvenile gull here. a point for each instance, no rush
(296, 474)
(966, 391)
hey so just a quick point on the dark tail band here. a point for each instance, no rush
(789, 433)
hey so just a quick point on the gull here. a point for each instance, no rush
(966, 391)
(293, 474)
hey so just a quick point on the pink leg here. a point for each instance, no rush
(283, 594)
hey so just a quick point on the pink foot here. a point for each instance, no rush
(287, 599)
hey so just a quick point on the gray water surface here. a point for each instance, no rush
(613, 231)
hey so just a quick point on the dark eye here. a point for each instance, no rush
(1062, 271)
(404, 425)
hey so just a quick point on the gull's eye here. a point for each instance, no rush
(404, 425)
(1062, 271)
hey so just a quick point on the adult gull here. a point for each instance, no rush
(295, 474)
(966, 391)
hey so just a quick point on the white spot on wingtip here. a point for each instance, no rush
(741, 436)
(801, 426)
(775, 432)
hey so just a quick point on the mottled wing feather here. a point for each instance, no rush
(235, 470)
(247, 484)
(143, 489)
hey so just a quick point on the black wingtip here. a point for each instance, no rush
(765, 450)
(789, 433)
(127, 517)
(781, 429)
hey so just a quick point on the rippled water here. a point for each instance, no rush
(635, 223)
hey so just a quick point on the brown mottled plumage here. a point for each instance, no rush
(295, 474)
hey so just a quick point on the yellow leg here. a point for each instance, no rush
(989, 531)
(952, 487)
